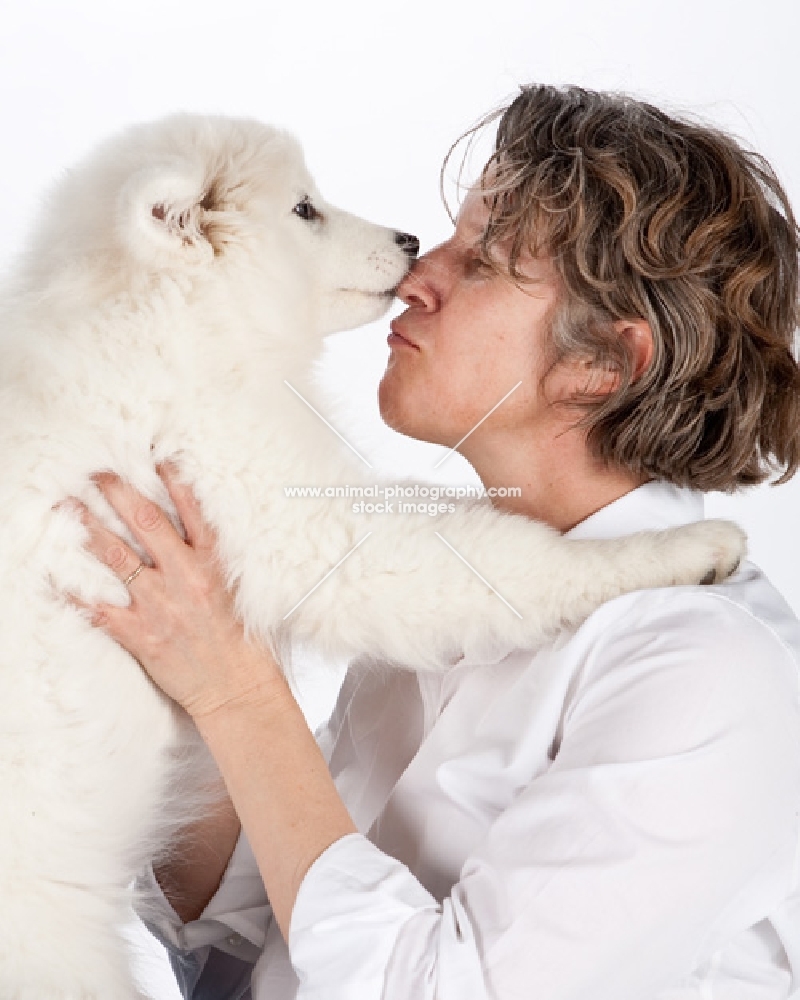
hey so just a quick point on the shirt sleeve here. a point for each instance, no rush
(666, 823)
(212, 957)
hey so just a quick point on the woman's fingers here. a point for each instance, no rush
(148, 523)
(181, 625)
(100, 615)
(110, 549)
(198, 532)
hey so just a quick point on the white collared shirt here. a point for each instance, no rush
(615, 817)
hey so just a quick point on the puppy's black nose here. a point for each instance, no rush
(408, 244)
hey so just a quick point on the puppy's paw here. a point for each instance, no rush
(717, 548)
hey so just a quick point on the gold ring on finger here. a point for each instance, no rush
(129, 579)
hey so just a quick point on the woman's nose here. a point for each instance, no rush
(415, 289)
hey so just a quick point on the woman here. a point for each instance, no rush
(614, 816)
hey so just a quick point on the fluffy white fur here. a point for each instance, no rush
(168, 294)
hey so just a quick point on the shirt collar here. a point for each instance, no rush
(651, 507)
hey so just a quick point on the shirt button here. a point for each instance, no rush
(234, 941)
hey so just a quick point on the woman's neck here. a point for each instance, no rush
(560, 482)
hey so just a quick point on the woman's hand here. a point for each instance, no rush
(181, 623)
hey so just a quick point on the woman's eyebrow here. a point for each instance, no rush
(468, 238)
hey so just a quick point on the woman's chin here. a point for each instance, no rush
(394, 408)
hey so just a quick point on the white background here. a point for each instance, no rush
(376, 91)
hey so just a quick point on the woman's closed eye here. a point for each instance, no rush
(476, 266)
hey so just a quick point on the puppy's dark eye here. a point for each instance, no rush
(306, 210)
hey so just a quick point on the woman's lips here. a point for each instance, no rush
(396, 339)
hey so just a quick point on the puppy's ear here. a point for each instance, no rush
(162, 216)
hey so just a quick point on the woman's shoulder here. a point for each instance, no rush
(734, 646)
(745, 606)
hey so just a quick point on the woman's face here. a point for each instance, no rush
(468, 336)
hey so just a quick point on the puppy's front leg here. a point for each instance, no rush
(420, 591)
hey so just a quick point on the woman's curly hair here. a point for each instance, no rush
(649, 216)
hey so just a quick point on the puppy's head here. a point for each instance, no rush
(230, 203)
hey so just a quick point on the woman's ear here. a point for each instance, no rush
(581, 377)
(638, 339)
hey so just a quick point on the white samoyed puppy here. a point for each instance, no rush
(179, 279)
